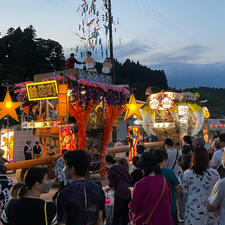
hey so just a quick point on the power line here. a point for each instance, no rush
(157, 18)
(143, 9)
(63, 3)
(157, 13)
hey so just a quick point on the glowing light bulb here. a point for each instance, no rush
(133, 107)
(8, 104)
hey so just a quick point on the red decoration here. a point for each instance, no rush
(80, 113)
(112, 112)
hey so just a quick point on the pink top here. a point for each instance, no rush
(145, 195)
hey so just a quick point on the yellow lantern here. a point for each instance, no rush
(63, 100)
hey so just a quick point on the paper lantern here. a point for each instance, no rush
(63, 100)
(154, 103)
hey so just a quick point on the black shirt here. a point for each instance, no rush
(28, 211)
(136, 175)
(5, 185)
(80, 203)
(36, 150)
(27, 155)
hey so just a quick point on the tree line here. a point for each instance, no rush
(23, 54)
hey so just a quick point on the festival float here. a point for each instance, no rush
(72, 110)
(166, 115)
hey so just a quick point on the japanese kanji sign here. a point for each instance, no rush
(42, 90)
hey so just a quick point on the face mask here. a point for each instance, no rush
(46, 188)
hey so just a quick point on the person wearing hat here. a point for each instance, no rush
(151, 195)
(119, 180)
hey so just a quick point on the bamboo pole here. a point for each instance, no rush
(30, 163)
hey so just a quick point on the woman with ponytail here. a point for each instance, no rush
(29, 209)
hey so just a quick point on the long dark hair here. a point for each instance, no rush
(200, 159)
(149, 163)
(33, 175)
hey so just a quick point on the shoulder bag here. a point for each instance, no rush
(157, 203)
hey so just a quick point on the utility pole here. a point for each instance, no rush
(111, 39)
(109, 7)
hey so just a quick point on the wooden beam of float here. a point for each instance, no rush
(52, 159)
(127, 148)
(30, 163)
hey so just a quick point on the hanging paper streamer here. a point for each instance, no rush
(94, 16)
(106, 30)
(92, 21)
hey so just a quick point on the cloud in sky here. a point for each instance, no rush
(185, 75)
(130, 50)
(185, 67)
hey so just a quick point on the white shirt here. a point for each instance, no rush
(172, 157)
(217, 159)
(217, 198)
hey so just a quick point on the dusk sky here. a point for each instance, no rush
(186, 38)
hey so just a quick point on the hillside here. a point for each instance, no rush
(215, 97)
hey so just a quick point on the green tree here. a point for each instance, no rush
(22, 55)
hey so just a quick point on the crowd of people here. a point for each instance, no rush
(162, 187)
(187, 185)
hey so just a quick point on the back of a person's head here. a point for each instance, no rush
(140, 149)
(135, 160)
(89, 53)
(198, 142)
(32, 176)
(200, 160)
(222, 137)
(168, 142)
(149, 163)
(186, 149)
(124, 163)
(160, 155)
(15, 190)
(187, 139)
(3, 169)
(77, 159)
(186, 162)
(109, 159)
